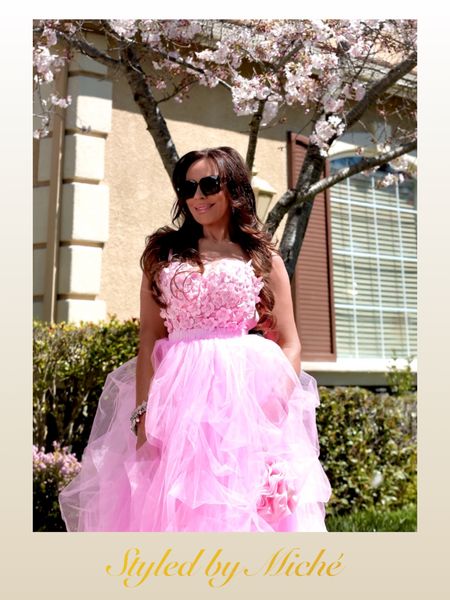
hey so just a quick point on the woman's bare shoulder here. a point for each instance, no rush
(277, 260)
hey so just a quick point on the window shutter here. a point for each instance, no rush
(312, 284)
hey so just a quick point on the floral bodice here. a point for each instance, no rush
(223, 297)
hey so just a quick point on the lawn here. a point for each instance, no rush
(404, 519)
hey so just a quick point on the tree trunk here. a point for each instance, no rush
(156, 124)
(294, 234)
(298, 215)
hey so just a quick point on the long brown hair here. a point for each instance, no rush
(245, 227)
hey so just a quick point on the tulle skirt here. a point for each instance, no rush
(231, 444)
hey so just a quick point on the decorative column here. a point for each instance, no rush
(79, 220)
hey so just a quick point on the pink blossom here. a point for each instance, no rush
(317, 73)
(246, 93)
(50, 34)
(41, 133)
(270, 112)
(332, 105)
(70, 28)
(43, 61)
(390, 179)
(126, 28)
(58, 465)
(359, 91)
(359, 50)
(58, 101)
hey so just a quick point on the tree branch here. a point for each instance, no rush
(254, 128)
(156, 124)
(279, 210)
(84, 47)
(187, 66)
(313, 163)
(361, 165)
(293, 198)
(176, 91)
(301, 208)
(255, 123)
(379, 87)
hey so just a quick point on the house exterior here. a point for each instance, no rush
(100, 189)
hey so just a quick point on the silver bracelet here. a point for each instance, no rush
(137, 412)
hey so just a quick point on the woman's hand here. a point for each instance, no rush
(141, 437)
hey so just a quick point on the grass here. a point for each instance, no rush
(404, 519)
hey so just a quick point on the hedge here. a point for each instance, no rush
(70, 365)
(368, 448)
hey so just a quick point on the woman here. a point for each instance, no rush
(223, 434)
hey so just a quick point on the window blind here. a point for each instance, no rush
(374, 266)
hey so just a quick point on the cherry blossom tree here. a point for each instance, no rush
(333, 71)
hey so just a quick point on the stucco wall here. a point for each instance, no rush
(141, 195)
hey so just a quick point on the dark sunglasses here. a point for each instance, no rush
(208, 185)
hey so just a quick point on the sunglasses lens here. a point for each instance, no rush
(210, 185)
(187, 189)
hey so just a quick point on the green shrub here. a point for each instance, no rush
(367, 448)
(70, 365)
(401, 379)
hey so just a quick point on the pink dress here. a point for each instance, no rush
(232, 440)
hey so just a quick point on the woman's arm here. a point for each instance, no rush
(283, 312)
(151, 329)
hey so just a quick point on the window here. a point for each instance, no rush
(374, 265)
